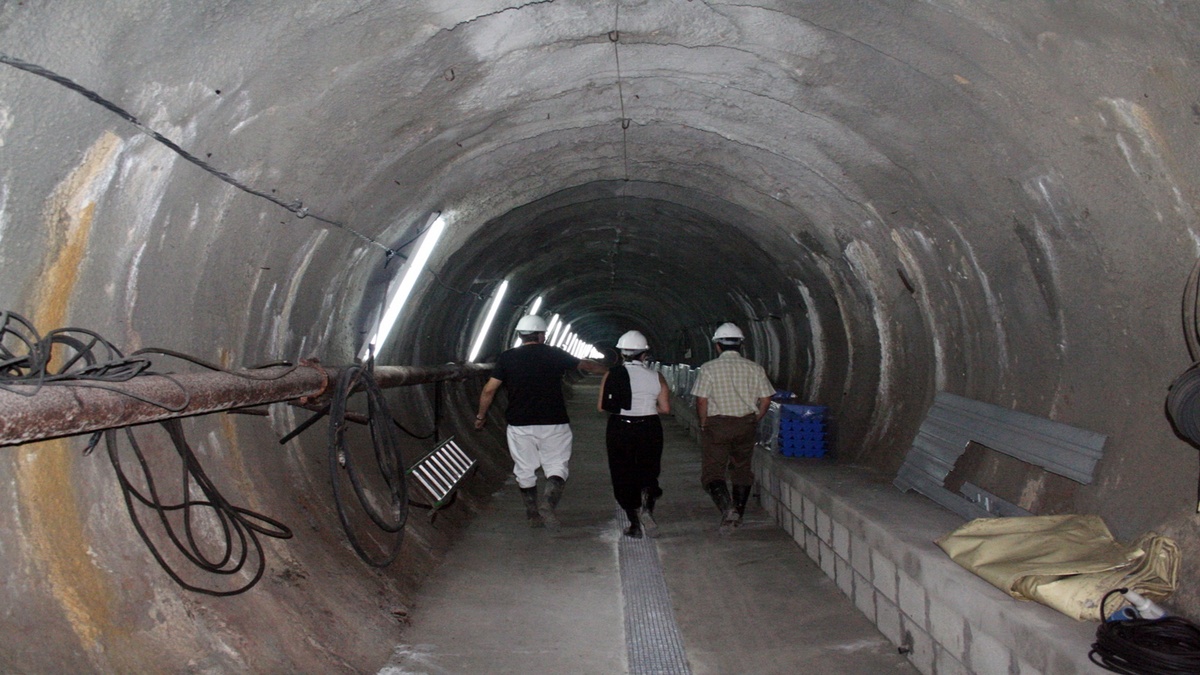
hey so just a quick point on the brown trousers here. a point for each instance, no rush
(728, 444)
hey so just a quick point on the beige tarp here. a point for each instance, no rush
(1066, 562)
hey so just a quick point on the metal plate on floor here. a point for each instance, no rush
(652, 638)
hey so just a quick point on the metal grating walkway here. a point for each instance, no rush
(652, 637)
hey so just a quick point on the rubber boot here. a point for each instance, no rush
(635, 525)
(554, 490)
(647, 513)
(741, 495)
(720, 496)
(529, 496)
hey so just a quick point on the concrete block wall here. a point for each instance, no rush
(877, 544)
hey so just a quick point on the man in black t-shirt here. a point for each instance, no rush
(539, 432)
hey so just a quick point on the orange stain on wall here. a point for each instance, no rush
(45, 471)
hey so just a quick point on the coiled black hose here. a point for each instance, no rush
(1183, 404)
(1183, 396)
(1166, 646)
(76, 356)
(82, 358)
(233, 520)
(389, 462)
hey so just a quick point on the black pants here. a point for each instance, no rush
(635, 446)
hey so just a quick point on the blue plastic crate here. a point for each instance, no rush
(792, 411)
(801, 430)
(813, 449)
(785, 437)
(793, 426)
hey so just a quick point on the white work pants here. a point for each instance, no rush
(544, 445)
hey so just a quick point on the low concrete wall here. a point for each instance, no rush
(878, 545)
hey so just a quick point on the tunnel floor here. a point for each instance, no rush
(509, 599)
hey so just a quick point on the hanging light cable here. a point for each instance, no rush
(614, 36)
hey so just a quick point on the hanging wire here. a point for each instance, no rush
(239, 527)
(27, 358)
(614, 36)
(438, 278)
(613, 252)
(295, 207)
(389, 465)
(82, 358)
(478, 296)
(1191, 315)
(1183, 395)
(79, 357)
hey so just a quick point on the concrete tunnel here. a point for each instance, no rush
(892, 198)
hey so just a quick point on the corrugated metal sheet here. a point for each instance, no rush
(954, 421)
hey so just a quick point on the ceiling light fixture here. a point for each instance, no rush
(411, 271)
(497, 297)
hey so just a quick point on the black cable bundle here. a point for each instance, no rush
(233, 520)
(1183, 404)
(81, 358)
(390, 464)
(1183, 397)
(1166, 646)
(86, 358)
(1148, 646)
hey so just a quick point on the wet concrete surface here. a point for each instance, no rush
(510, 599)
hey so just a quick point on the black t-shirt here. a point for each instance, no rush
(532, 375)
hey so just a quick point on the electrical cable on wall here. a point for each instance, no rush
(233, 521)
(297, 207)
(82, 358)
(614, 36)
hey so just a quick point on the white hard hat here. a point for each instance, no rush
(632, 342)
(531, 323)
(728, 332)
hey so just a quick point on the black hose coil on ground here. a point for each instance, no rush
(1166, 646)
(385, 442)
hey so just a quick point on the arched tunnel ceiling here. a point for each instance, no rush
(920, 191)
(653, 263)
(893, 197)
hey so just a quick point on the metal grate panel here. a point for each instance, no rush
(652, 638)
(440, 472)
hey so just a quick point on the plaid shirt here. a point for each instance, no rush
(732, 384)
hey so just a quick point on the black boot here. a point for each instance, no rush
(720, 496)
(635, 525)
(554, 490)
(647, 511)
(529, 496)
(741, 495)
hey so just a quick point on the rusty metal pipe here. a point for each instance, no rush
(70, 409)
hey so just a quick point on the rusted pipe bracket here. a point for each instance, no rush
(316, 365)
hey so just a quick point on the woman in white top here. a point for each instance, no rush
(634, 437)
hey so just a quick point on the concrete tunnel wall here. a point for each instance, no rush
(894, 198)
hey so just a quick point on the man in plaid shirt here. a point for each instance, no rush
(732, 395)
